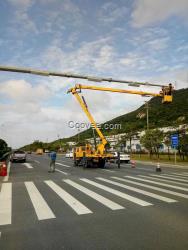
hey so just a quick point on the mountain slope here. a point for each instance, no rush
(160, 115)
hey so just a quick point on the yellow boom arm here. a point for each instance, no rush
(101, 146)
(165, 93)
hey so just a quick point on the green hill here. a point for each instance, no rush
(160, 115)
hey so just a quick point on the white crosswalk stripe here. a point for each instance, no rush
(160, 183)
(65, 173)
(159, 197)
(41, 207)
(183, 175)
(167, 181)
(186, 173)
(67, 166)
(118, 193)
(170, 178)
(28, 165)
(6, 204)
(122, 187)
(77, 206)
(152, 187)
(106, 202)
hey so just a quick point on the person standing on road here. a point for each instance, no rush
(52, 161)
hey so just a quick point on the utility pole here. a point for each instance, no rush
(147, 114)
(59, 141)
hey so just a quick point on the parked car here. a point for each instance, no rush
(18, 156)
(69, 155)
(123, 157)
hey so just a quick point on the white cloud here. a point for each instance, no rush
(159, 44)
(22, 91)
(111, 12)
(148, 12)
(178, 76)
(90, 55)
(21, 18)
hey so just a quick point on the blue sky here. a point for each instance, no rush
(141, 40)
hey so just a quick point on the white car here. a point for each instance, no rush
(123, 157)
(69, 155)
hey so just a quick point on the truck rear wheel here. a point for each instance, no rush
(102, 163)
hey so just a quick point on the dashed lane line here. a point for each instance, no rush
(67, 166)
(28, 165)
(65, 173)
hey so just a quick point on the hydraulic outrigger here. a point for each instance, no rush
(89, 156)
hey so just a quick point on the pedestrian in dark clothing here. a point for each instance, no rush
(52, 161)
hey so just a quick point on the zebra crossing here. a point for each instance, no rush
(113, 192)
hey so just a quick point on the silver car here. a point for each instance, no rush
(18, 156)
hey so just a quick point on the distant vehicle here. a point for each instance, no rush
(18, 156)
(69, 155)
(39, 151)
(46, 151)
(28, 152)
(123, 157)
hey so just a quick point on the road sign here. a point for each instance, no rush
(174, 140)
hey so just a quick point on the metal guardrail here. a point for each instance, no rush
(5, 157)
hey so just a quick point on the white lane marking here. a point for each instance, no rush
(6, 204)
(163, 184)
(28, 165)
(165, 180)
(155, 196)
(152, 187)
(180, 174)
(58, 163)
(180, 177)
(106, 202)
(77, 206)
(61, 171)
(169, 177)
(118, 193)
(41, 207)
(8, 172)
(36, 161)
(108, 170)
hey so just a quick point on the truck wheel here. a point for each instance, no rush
(102, 163)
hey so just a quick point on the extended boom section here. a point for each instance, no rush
(86, 155)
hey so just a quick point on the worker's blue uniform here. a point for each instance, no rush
(53, 156)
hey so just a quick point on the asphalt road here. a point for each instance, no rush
(75, 208)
